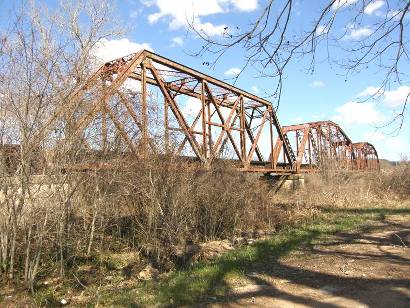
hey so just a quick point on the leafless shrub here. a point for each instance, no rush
(340, 189)
(45, 55)
(396, 180)
(163, 203)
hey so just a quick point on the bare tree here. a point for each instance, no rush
(45, 56)
(271, 42)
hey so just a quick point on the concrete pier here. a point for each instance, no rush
(286, 182)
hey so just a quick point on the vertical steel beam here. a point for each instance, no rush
(104, 129)
(276, 152)
(203, 111)
(104, 122)
(272, 163)
(242, 131)
(309, 149)
(301, 148)
(144, 109)
(210, 143)
(166, 126)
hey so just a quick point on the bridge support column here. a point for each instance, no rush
(286, 182)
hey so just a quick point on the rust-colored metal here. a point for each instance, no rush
(227, 123)
(366, 156)
(324, 144)
(231, 123)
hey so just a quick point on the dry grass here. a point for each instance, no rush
(396, 180)
(154, 209)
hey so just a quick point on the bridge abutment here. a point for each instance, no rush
(287, 182)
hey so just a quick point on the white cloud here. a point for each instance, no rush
(369, 91)
(395, 14)
(134, 13)
(374, 137)
(255, 89)
(192, 106)
(108, 50)
(392, 98)
(177, 41)
(358, 113)
(131, 85)
(187, 10)
(317, 84)
(321, 30)
(387, 146)
(297, 120)
(358, 33)
(398, 144)
(397, 97)
(372, 7)
(148, 2)
(317, 117)
(208, 28)
(188, 13)
(339, 4)
(234, 71)
(245, 5)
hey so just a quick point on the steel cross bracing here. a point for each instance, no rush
(144, 103)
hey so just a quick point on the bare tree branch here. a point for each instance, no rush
(271, 42)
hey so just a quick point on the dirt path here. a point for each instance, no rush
(366, 268)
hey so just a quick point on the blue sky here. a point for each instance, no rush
(161, 25)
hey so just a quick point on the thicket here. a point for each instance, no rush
(159, 206)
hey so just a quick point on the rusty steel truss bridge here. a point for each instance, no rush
(146, 103)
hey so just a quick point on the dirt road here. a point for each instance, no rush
(369, 267)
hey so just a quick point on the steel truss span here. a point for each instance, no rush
(144, 103)
(325, 145)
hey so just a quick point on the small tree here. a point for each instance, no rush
(45, 56)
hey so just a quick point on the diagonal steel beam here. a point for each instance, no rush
(177, 113)
(226, 125)
(255, 142)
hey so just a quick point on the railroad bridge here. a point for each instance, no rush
(145, 103)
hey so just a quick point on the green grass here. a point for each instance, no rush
(210, 279)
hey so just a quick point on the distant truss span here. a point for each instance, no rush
(324, 144)
(145, 103)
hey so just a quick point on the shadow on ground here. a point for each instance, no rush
(368, 267)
